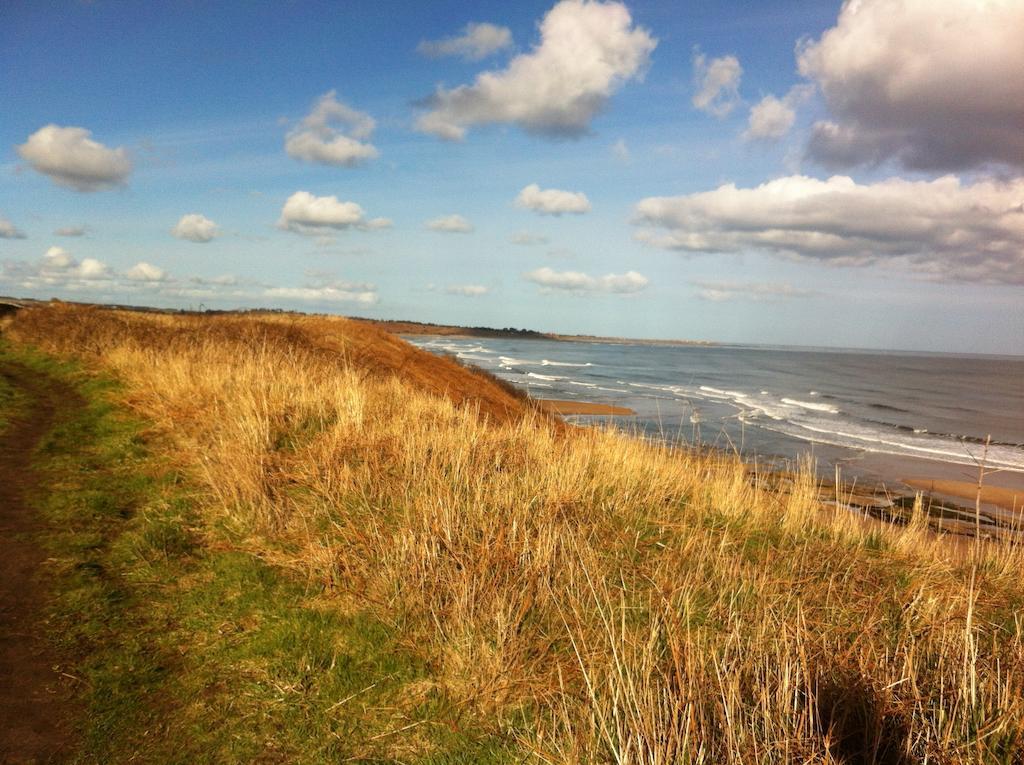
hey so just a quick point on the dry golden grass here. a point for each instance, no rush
(633, 602)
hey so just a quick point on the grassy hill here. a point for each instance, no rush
(506, 588)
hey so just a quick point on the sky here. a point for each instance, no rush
(803, 173)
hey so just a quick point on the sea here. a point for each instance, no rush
(875, 415)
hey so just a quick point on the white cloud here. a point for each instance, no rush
(305, 213)
(146, 272)
(365, 294)
(756, 291)
(943, 229)
(576, 281)
(477, 41)
(467, 290)
(58, 266)
(717, 82)
(934, 85)
(72, 231)
(58, 259)
(552, 201)
(195, 228)
(528, 238)
(771, 118)
(450, 224)
(9, 231)
(57, 271)
(90, 268)
(333, 133)
(586, 52)
(73, 160)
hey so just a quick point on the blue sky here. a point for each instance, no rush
(709, 218)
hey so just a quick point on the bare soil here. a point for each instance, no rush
(37, 710)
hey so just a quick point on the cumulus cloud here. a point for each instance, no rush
(9, 231)
(304, 213)
(771, 118)
(450, 224)
(944, 229)
(467, 290)
(717, 83)
(333, 133)
(146, 272)
(933, 85)
(576, 281)
(72, 159)
(528, 238)
(477, 41)
(552, 201)
(57, 267)
(587, 50)
(57, 259)
(195, 228)
(72, 231)
(718, 292)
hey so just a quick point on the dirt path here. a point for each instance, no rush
(36, 709)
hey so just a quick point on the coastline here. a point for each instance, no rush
(587, 408)
(948, 505)
(402, 327)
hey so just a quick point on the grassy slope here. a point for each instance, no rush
(10, 401)
(191, 650)
(573, 596)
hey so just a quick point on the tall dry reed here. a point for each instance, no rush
(597, 597)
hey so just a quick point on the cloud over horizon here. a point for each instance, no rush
(333, 133)
(477, 41)
(943, 229)
(935, 86)
(70, 158)
(587, 51)
(724, 291)
(337, 292)
(58, 269)
(579, 282)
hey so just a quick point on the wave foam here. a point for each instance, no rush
(812, 406)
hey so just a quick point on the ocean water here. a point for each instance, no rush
(882, 415)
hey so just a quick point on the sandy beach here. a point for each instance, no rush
(1010, 499)
(556, 406)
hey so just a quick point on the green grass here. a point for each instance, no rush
(191, 650)
(10, 401)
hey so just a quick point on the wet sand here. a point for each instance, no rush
(1009, 499)
(556, 406)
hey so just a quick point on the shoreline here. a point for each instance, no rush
(948, 504)
(587, 408)
(1000, 496)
